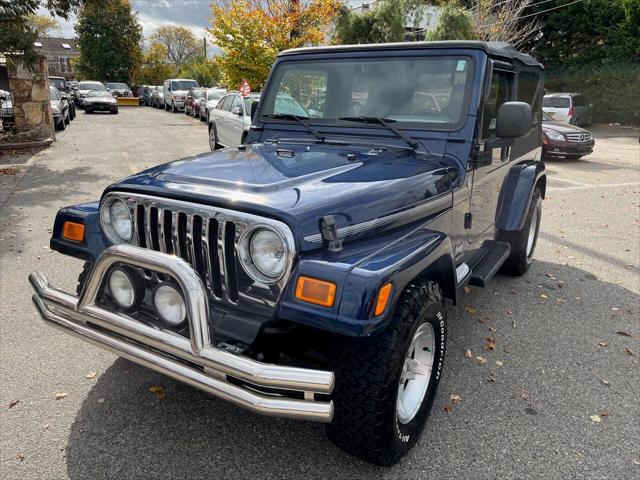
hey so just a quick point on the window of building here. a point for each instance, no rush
(66, 45)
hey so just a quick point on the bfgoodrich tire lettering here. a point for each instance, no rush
(368, 372)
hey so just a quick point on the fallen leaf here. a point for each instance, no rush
(604, 381)
(13, 403)
(491, 343)
(467, 290)
(603, 344)
(624, 333)
(543, 295)
(595, 418)
(60, 395)
(628, 350)
(91, 375)
(158, 391)
(481, 360)
(448, 408)
(470, 310)
(525, 396)
(20, 457)
(455, 399)
(101, 400)
(603, 413)
(509, 312)
(468, 354)
(499, 363)
(493, 329)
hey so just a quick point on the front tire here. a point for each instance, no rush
(523, 242)
(386, 384)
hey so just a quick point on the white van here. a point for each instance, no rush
(570, 108)
(175, 92)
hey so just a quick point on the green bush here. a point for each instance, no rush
(612, 89)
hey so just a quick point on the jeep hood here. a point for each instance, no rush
(301, 183)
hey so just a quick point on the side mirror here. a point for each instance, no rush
(513, 119)
(189, 97)
(64, 97)
(236, 111)
(254, 109)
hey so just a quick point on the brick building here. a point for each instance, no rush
(59, 52)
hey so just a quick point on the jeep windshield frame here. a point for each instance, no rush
(413, 91)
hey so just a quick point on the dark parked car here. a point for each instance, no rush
(100, 101)
(6, 111)
(304, 274)
(564, 140)
(60, 108)
(119, 89)
(157, 97)
(192, 102)
(63, 87)
(147, 94)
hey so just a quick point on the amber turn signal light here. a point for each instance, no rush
(316, 291)
(383, 299)
(73, 231)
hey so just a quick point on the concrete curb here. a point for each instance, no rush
(26, 145)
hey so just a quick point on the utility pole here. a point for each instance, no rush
(204, 41)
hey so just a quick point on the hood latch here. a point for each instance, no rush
(330, 233)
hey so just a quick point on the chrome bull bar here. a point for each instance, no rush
(175, 355)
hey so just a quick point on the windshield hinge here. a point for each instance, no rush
(330, 233)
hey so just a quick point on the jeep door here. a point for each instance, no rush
(491, 164)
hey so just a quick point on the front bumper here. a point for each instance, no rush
(561, 149)
(101, 106)
(274, 390)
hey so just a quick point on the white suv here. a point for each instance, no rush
(570, 108)
(175, 92)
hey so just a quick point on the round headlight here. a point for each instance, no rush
(169, 304)
(264, 254)
(122, 288)
(117, 221)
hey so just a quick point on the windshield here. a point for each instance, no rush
(183, 84)
(196, 94)
(424, 91)
(215, 93)
(99, 93)
(117, 86)
(59, 83)
(53, 93)
(556, 102)
(90, 86)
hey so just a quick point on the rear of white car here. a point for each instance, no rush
(571, 108)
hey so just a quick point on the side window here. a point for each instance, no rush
(236, 103)
(579, 101)
(500, 92)
(528, 91)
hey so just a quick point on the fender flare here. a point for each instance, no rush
(94, 242)
(516, 193)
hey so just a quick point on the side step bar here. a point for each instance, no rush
(489, 259)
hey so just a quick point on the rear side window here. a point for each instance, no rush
(579, 101)
(556, 102)
(528, 91)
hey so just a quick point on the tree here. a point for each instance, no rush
(454, 23)
(251, 33)
(206, 72)
(109, 38)
(179, 42)
(154, 68)
(44, 26)
(384, 23)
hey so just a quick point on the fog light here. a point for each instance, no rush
(122, 288)
(169, 304)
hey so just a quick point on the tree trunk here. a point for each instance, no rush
(30, 96)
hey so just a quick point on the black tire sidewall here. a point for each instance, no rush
(407, 435)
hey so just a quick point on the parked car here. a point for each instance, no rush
(6, 111)
(100, 101)
(304, 274)
(571, 108)
(175, 92)
(61, 84)
(229, 122)
(59, 108)
(147, 95)
(209, 101)
(138, 91)
(119, 89)
(564, 140)
(86, 87)
(157, 98)
(192, 102)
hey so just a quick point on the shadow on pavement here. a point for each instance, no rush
(546, 327)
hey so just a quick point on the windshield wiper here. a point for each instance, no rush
(385, 123)
(291, 116)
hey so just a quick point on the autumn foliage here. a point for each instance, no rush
(251, 33)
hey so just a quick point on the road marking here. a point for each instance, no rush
(567, 181)
(589, 186)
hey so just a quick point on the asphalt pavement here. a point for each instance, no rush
(557, 397)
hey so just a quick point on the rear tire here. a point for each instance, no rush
(213, 138)
(372, 377)
(523, 242)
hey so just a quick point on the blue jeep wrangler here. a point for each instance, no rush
(304, 274)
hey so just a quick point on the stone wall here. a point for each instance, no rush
(31, 104)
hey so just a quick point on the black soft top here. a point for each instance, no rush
(494, 49)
